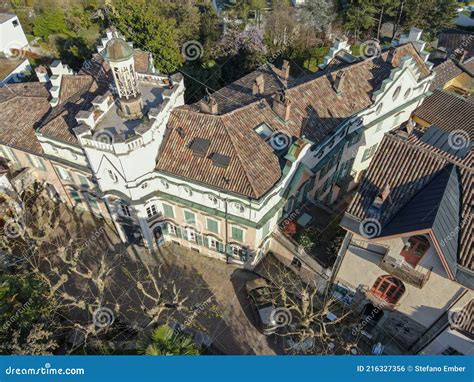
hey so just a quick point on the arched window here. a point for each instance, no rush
(388, 288)
(414, 249)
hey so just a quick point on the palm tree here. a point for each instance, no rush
(164, 341)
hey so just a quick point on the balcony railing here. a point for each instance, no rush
(404, 271)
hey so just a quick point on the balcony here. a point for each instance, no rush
(404, 271)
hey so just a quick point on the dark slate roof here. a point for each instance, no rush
(430, 189)
(441, 139)
(435, 207)
(452, 39)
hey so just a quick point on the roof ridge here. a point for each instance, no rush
(249, 178)
(428, 151)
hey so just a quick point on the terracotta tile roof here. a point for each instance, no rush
(408, 166)
(21, 107)
(76, 94)
(253, 168)
(448, 70)
(316, 110)
(448, 111)
(142, 61)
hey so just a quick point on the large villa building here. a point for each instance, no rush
(216, 176)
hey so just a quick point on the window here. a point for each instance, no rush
(171, 229)
(112, 176)
(36, 162)
(188, 190)
(168, 210)
(144, 185)
(124, 210)
(15, 23)
(83, 181)
(92, 201)
(151, 211)
(396, 93)
(7, 153)
(63, 174)
(189, 217)
(296, 263)
(237, 234)
(212, 225)
(388, 288)
(213, 244)
(368, 153)
(191, 234)
(164, 183)
(239, 252)
(379, 108)
(414, 249)
(407, 93)
(264, 131)
(75, 195)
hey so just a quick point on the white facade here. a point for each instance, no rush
(11, 34)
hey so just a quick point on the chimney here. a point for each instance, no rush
(42, 74)
(339, 82)
(258, 85)
(458, 55)
(282, 106)
(285, 68)
(208, 105)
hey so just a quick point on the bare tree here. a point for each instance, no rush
(96, 289)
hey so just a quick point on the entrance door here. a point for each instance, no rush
(158, 234)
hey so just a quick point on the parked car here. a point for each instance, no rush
(260, 295)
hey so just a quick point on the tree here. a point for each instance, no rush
(430, 15)
(141, 22)
(359, 16)
(307, 316)
(318, 14)
(165, 341)
(50, 23)
(81, 281)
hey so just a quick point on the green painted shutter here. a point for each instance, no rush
(212, 225)
(199, 239)
(179, 232)
(168, 210)
(237, 234)
(165, 229)
(220, 247)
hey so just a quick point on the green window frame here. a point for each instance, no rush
(212, 225)
(368, 153)
(92, 201)
(189, 217)
(75, 195)
(83, 181)
(237, 233)
(168, 210)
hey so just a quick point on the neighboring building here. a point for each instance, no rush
(13, 64)
(407, 261)
(216, 176)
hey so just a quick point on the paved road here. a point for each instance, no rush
(231, 326)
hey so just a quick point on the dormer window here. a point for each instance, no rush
(415, 249)
(212, 199)
(238, 207)
(388, 288)
(164, 183)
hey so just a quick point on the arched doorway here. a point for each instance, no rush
(388, 288)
